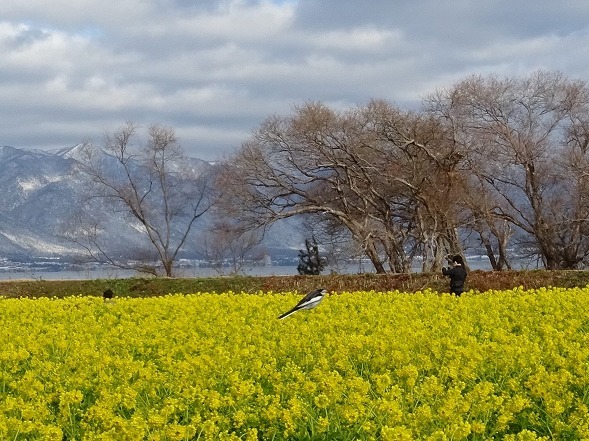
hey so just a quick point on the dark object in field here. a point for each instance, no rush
(108, 294)
(457, 274)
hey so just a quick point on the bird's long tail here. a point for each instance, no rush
(286, 314)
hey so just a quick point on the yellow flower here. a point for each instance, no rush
(382, 383)
(251, 435)
(215, 365)
(477, 427)
(321, 401)
(400, 433)
(322, 424)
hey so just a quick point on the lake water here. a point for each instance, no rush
(92, 274)
(113, 273)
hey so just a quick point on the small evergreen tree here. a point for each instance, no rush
(310, 263)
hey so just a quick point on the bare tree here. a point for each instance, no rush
(494, 232)
(228, 246)
(307, 164)
(526, 142)
(154, 186)
(362, 169)
(423, 169)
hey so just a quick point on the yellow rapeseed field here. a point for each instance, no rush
(510, 365)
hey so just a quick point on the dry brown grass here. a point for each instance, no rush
(145, 287)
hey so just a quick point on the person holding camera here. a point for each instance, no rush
(457, 274)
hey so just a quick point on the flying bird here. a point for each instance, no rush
(310, 301)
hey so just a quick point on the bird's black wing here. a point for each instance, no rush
(309, 297)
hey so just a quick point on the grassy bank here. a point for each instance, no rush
(149, 287)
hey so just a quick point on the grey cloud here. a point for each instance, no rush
(29, 36)
(214, 70)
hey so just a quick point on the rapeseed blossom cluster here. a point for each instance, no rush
(510, 365)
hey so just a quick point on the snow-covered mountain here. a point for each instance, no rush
(40, 194)
(37, 194)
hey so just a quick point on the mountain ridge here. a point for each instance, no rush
(40, 194)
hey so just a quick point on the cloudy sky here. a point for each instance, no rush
(72, 70)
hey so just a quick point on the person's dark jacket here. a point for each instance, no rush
(457, 276)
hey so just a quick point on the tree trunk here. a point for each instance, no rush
(168, 266)
(372, 254)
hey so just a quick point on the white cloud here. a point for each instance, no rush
(358, 39)
(236, 22)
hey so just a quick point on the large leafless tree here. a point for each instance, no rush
(526, 144)
(152, 184)
(382, 174)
